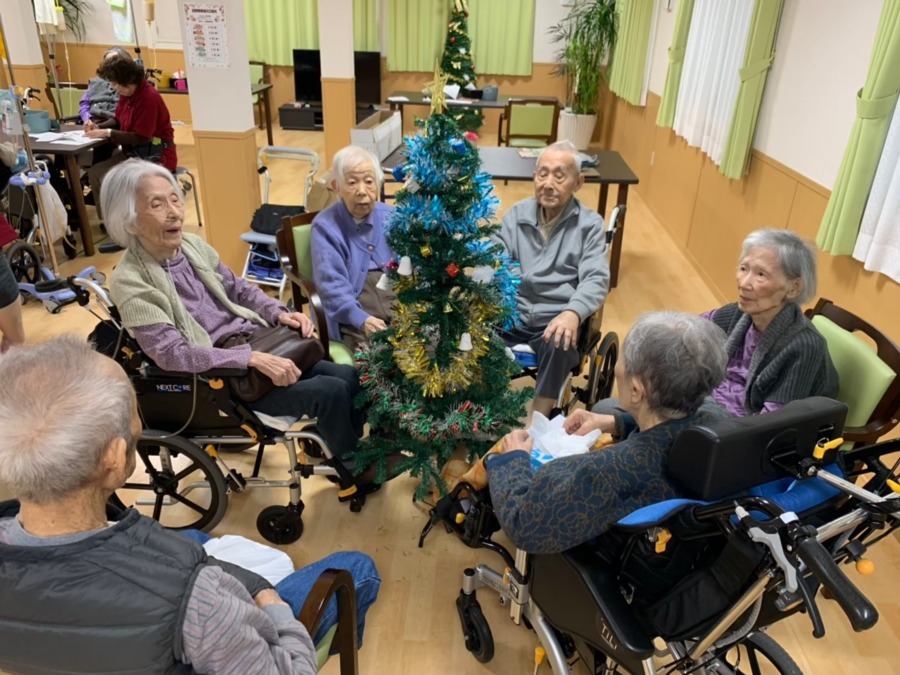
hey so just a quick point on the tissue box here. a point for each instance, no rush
(380, 133)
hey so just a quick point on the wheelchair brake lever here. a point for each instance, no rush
(767, 533)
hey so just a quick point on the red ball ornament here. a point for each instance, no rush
(452, 40)
(452, 269)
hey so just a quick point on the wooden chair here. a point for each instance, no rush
(330, 583)
(296, 260)
(70, 93)
(869, 378)
(259, 74)
(530, 123)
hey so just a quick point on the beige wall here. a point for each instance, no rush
(709, 215)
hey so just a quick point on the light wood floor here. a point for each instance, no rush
(413, 627)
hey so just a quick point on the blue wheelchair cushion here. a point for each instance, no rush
(791, 495)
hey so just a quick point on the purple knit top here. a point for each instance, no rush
(165, 344)
(732, 392)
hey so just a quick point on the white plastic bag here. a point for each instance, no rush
(57, 224)
(551, 441)
(270, 563)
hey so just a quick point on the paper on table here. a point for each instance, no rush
(452, 90)
(76, 138)
(398, 98)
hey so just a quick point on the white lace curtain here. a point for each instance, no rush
(710, 82)
(878, 243)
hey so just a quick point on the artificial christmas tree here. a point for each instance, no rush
(458, 65)
(438, 377)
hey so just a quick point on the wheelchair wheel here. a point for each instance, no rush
(176, 483)
(25, 262)
(757, 654)
(601, 376)
(476, 631)
(280, 524)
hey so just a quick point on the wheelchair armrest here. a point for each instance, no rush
(155, 371)
(578, 594)
(334, 582)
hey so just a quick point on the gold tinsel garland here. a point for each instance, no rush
(411, 355)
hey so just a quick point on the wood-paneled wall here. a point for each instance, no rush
(709, 215)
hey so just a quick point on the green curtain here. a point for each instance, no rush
(502, 33)
(629, 60)
(365, 26)
(416, 30)
(666, 115)
(277, 27)
(757, 60)
(874, 107)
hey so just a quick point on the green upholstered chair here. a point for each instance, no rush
(65, 105)
(296, 261)
(342, 636)
(530, 123)
(259, 74)
(869, 377)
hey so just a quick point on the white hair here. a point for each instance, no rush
(61, 405)
(567, 147)
(349, 158)
(796, 257)
(118, 197)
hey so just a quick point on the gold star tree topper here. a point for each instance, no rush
(438, 97)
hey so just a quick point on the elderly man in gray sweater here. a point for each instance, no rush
(560, 244)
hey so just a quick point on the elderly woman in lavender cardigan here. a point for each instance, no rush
(350, 252)
(178, 300)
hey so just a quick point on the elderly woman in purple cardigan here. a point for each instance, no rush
(350, 252)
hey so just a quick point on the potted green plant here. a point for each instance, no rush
(587, 36)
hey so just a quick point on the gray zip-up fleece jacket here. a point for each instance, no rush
(570, 271)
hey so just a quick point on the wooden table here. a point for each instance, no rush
(70, 153)
(261, 89)
(506, 164)
(417, 98)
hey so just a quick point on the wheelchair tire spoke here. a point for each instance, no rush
(187, 502)
(184, 473)
(157, 507)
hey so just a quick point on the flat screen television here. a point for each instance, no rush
(308, 77)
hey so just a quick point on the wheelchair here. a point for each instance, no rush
(598, 354)
(772, 515)
(191, 423)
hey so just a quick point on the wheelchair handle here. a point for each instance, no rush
(861, 613)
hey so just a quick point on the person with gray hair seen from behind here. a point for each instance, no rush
(561, 246)
(775, 354)
(350, 252)
(100, 98)
(669, 363)
(83, 593)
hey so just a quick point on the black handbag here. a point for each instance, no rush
(278, 341)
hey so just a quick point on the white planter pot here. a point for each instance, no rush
(576, 128)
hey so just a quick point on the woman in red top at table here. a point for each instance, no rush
(141, 126)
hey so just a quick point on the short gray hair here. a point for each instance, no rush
(61, 405)
(680, 358)
(796, 257)
(118, 197)
(351, 157)
(567, 147)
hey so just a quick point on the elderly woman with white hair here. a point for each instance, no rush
(669, 363)
(775, 354)
(350, 251)
(181, 303)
